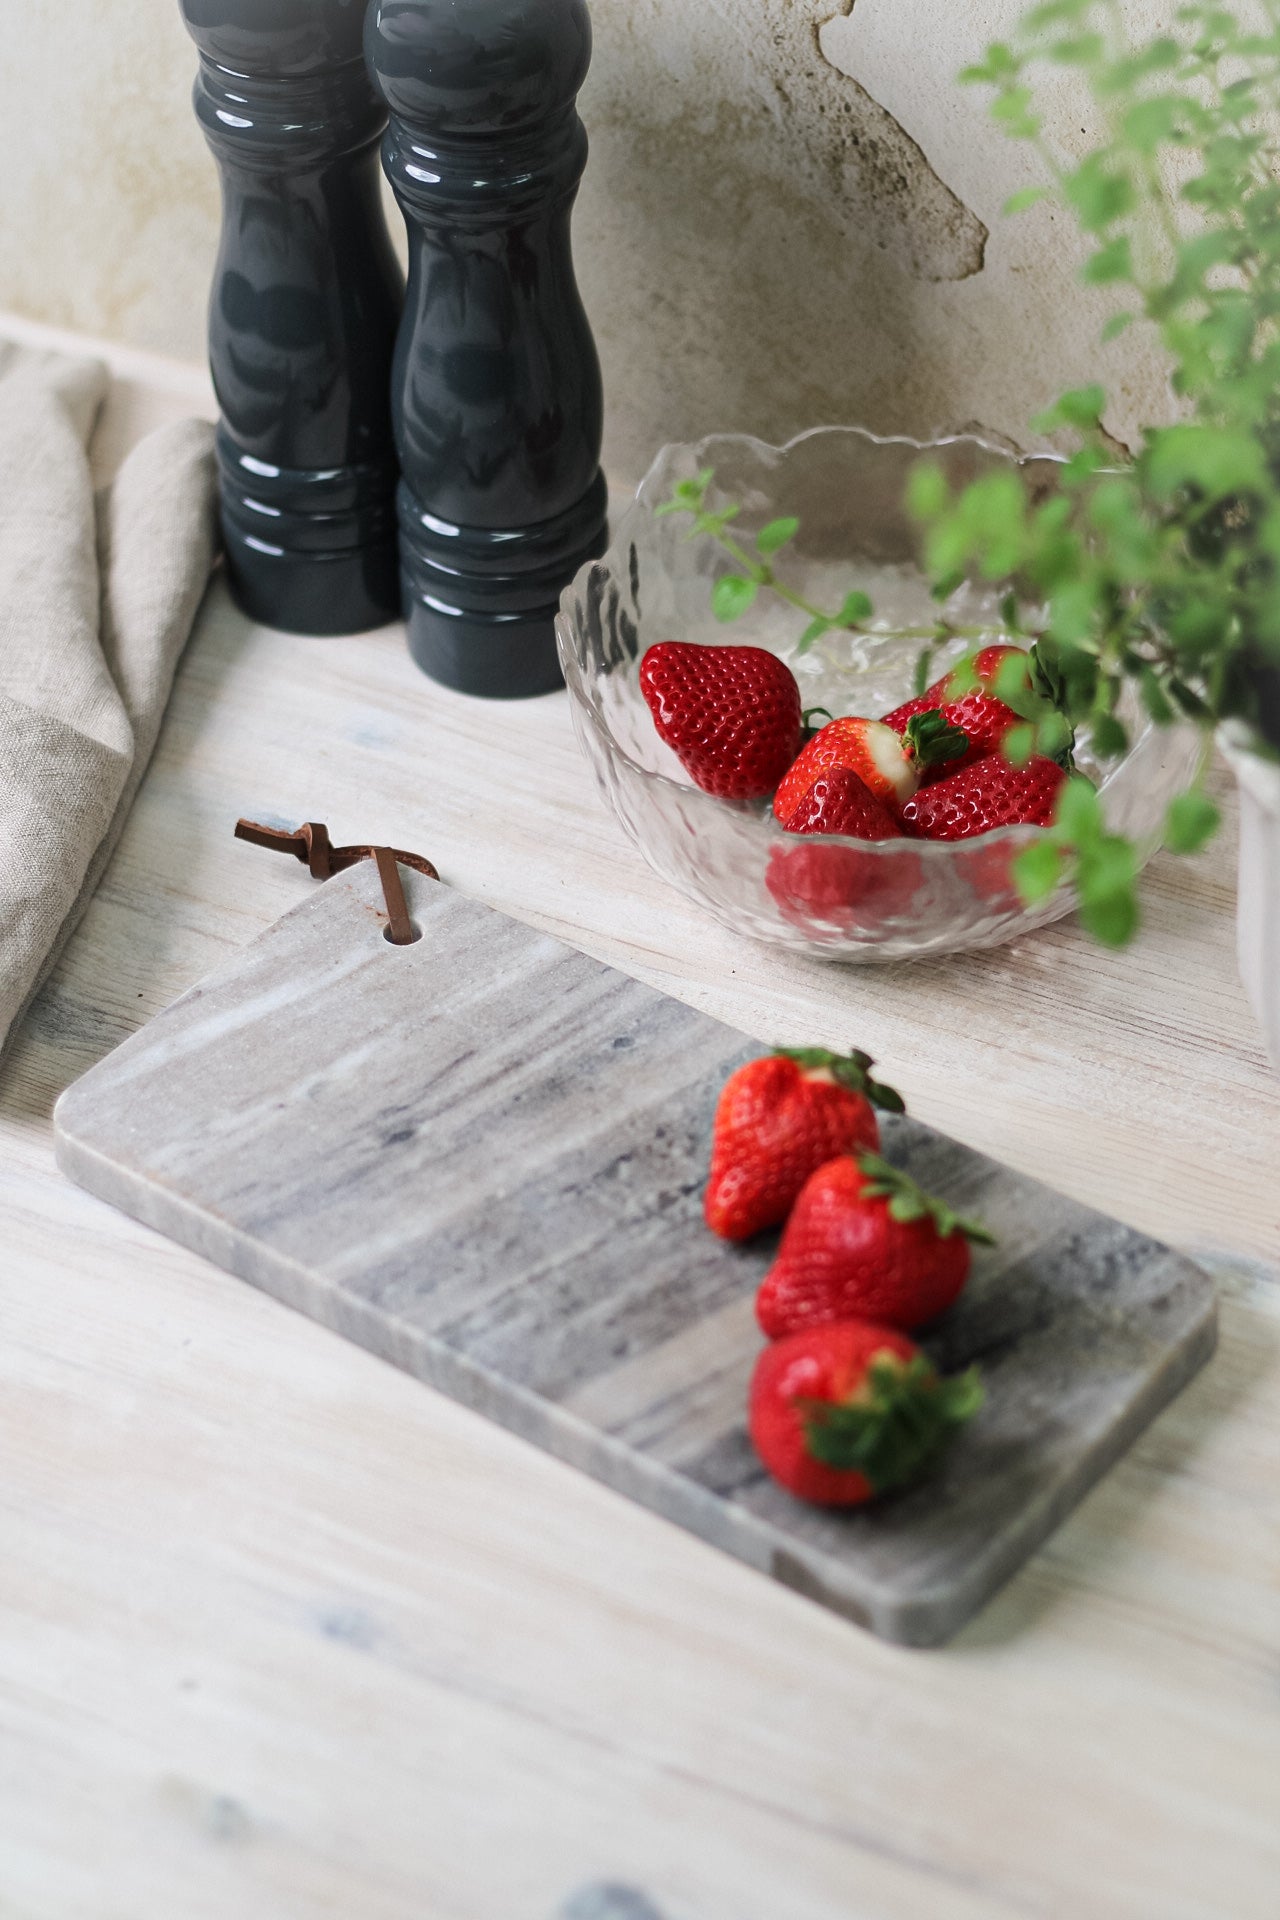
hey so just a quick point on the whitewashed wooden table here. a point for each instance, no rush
(282, 1634)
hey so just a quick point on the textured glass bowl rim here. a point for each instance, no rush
(771, 831)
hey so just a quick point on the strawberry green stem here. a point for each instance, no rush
(852, 1070)
(908, 1202)
(895, 1426)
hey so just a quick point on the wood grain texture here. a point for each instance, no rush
(282, 1635)
(482, 1157)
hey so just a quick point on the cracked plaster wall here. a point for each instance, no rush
(791, 214)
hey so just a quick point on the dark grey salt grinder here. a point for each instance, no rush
(496, 388)
(306, 300)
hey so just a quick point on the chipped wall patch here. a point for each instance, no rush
(870, 173)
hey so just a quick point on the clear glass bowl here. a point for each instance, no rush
(825, 894)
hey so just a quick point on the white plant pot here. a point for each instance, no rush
(1258, 908)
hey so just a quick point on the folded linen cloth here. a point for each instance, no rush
(97, 600)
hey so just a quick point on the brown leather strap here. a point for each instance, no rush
(311, 844)
(400, 928)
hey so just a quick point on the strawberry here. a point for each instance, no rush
(873, 752)
(731, 714)
(842, 1413)
(990, 793)
(777, 1120)
(863, 1242)
(973, 676)
(839, 887)
(838, 802)
(964, 699)
(827, 882)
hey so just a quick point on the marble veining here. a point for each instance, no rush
(482, 1156)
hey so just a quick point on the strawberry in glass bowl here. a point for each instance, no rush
(790, 772)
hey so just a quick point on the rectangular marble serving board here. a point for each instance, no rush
(482, 1156)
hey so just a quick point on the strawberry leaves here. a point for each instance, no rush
(908, 1202)
(852, 1070)
(895, 1426)
(932, 739)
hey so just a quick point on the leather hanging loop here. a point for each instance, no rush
(310, 843)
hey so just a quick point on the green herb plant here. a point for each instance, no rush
(1159, 573)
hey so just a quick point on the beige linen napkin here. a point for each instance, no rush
(97, 599)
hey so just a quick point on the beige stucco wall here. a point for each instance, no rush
(791, 214)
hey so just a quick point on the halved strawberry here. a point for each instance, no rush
(731, 714)
(867, 748)
(841, 1413)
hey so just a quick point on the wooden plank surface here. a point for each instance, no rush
(282, 1635)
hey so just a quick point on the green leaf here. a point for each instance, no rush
(1112, 262)
(931, 739)
(1037, 871)
(885, 1181)
(852, 1070)
(1080, 407)
(906, 1207)
(923, 668)
(1116, 325)
(894, 1426)
(814, 631)
(778, 534)
(1011, 109)
(732, 596)
(1025, 197)
(1110, 737)
(1012, 678)
(1078, 50)
(1055, 739)
(1216, 459)
(1191, 821)
(1154, 698)
(855, 608)
(1154, 121)
(1106, 874)
(1112, 918)
(1018, 745)
(928, 494)
(1099, 192)
(1078, 814)
(998, 64)
(1072, 611)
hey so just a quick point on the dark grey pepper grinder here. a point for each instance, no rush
(496, 388)
(306, 301)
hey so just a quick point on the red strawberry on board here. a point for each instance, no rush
(839, 802)
(991, 793)
(777, 1120)
(731, 714)
(842, 1413)
(866, 748)
(864, 1243)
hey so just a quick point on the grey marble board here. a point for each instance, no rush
(481, 1157)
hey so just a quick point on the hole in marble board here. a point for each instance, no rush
(415, 934)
